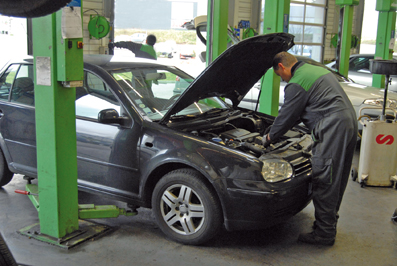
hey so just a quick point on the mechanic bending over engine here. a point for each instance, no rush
(314, 96)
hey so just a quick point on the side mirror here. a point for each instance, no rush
(110, 116)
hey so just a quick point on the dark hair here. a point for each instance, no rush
(151, 39)
(285, 58)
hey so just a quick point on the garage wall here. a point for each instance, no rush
(245, 10)
(333, 24)
(92, 45)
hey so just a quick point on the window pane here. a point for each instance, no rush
(317, 52)
(359, 63)
(302, 50)
(94, 97)
(314, 14)
(297, 31)
(23, 88)
(94, 83)
(320, 2)
(6, 81)
(296, 12)
(313, 34)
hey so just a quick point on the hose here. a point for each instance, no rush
(359, 119)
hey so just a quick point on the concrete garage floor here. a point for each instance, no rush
(366, 236)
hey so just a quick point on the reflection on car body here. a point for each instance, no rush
(195, 160)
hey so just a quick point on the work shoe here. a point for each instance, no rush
(312, 238)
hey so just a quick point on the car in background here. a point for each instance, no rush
(139, 37)
(122, 38)
(187, 51)
(197, 161)
(166, 49)
(360, 95)
(359, 70)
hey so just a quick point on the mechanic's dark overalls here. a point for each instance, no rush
(314, 96)
(139, 49)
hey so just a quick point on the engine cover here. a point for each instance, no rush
(239, 134)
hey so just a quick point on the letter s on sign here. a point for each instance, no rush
(382, 140)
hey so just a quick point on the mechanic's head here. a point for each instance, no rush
(282, 64)
(151, 39)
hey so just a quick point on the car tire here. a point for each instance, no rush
(6, 258)
(5, 174)
(186, 209)
(25, 8)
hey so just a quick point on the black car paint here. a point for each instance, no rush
(139, 152)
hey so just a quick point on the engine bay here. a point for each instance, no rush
(244, 131)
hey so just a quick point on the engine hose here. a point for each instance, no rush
(253, 148)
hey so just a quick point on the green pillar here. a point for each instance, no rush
(276, 19)
(217, 21)
(348, 8)
(56, 60)
(385, 33)
(346, 40)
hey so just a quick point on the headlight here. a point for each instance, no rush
(275, 170)
(379, 102)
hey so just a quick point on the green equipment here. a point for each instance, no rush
(98, 27)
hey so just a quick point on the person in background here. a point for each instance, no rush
(313, 96)
(139, 49)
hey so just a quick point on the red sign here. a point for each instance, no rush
(380, 139)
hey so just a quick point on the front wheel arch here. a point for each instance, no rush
(187, 210)
(162, 170)
(5, 173)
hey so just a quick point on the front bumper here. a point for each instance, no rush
(257, 204)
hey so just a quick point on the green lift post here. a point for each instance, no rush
(276, 19)
(348, 7)
(217, 20)
(385, 35)
(58, 64)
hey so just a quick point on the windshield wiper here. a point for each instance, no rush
(213, 111)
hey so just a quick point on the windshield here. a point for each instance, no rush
(155, 90)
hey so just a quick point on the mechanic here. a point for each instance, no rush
(139, 49)
(313, 96)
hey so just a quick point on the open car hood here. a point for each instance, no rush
(235, 71)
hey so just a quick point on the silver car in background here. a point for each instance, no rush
(359, 70)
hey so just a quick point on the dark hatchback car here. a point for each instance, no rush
(197, 161)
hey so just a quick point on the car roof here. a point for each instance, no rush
(368, 55)
(105, 61)
(110, 62)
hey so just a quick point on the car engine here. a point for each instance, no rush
(244, 131)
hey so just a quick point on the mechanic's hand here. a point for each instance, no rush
(266, 141)
(267, 130)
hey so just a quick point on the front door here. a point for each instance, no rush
(107, 153)
(17, 122)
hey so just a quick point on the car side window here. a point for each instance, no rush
(6, 81)
(23, 87)
(359, 63)
(94, 97)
